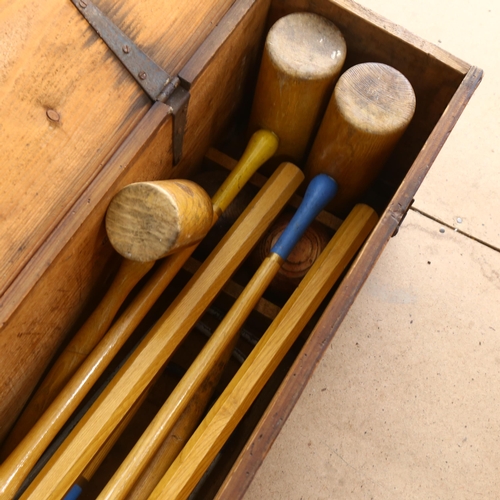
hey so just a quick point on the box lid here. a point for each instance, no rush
(67, 103)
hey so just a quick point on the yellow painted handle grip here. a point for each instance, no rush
(261, 146)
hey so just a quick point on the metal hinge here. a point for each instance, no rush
(400, 215)
(156, 82)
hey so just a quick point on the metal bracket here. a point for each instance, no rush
(178, 103)
(157, 83)
(402, 218)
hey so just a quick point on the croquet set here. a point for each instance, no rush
(193, 196)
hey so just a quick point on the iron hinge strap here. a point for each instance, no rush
(156, 82)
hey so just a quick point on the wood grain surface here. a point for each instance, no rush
(214, 355)
(147, 221)
(371, 107)
(217, 350)
(63, 116)
(72, 269)
(77, 350)
(177, 437)
(262, 145)
(66, 275)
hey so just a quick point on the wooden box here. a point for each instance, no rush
(89, 132)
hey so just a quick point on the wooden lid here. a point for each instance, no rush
(375, 98)
(306, 46)
(67, 103)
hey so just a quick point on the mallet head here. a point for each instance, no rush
(146, 221)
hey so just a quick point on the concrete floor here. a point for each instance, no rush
(406, 402)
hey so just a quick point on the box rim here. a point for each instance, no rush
(373, 18)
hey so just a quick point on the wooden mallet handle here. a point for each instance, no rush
(77, 350)
(147, 221)
(176, 438)
(16, 467)
(110, 408)
(144, 221)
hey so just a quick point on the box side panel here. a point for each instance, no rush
(71, 271)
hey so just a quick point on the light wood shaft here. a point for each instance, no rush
(89, 335)
(318, 193)
(96, 426)
(17, 465)
(228, 410)
(209, 359)
(96, 462)
(178, 436)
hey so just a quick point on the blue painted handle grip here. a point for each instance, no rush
(73, 493)
(320, 191)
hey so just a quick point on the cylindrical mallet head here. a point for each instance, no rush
(146, 221)
(371, 106)
(302, 59)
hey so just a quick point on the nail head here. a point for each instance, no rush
(53, 115)
(143, 75)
